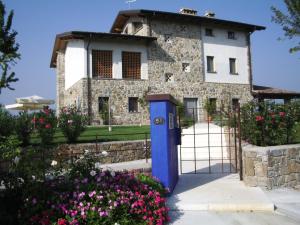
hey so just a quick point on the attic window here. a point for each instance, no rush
(209, 32)
(231, 35)
(137, 26)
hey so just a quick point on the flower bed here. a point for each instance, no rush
(84, 194)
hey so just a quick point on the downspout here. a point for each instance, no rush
(89, 101)
(250, 62)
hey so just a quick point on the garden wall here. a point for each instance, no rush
(118, 151)
(271, 167)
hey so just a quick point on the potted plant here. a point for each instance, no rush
(210, 108)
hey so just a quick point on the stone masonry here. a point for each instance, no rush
(184, 46)
(271, 167)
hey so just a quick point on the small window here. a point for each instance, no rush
(210, 64)
(133, 104)
(131, 65)
(235, 103)
(186, 67)
(137, 26)
(169, 77)
(231, 35)
(209, 32)
(102, 63)
(232, 66)
(102, 104)
(168, 38)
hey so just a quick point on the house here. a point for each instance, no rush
(192, 57)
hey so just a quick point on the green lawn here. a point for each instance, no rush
(118, 133)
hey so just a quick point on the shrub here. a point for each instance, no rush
(268, 123)
(45, 122)
(6, 123)
(72, 123)
(24, 127)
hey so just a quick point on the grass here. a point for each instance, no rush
(118, 133)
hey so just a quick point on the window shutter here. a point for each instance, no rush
(131, 65)
(102, 63)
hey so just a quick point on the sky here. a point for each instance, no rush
(38, 21)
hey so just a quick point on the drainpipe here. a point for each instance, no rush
(89, 101)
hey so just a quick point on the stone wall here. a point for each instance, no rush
(118, 151)
(271, 167)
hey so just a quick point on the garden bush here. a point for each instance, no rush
(72, 123)
(23, 127)
(45, 122)
(268, 123)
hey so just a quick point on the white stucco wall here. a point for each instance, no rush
(75, 62)
(222, 48)
(117, 48)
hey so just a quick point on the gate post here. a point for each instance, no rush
(165, 137)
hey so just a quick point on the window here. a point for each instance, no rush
(168, 38)
(186, 67)
(213, 105)
(209, 32)
(102, 63)
(232, 66)
(102, 104)
(235, 103)
(210, 64)
(231, 35)
(137, 26)
(133, 104)
(169, 77)
(131, 65)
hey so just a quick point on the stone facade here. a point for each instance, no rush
(271, 167)
(177, 43)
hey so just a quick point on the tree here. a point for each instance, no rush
(8, 48)
(290, 22)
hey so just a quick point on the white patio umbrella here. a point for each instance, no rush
(30, 103)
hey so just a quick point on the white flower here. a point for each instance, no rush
(21, 180)
(16, 160)
(33, 177)
(117, 224)
(93, 173)
(97, 165)
(104, 153)
(86, 151)
(112, 173)
(70, 121)
(53, 163)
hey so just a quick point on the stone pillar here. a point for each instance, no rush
(60, 81)
(164, 139)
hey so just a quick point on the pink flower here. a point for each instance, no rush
(48, 126)
(42, 120)
(259, 118)
(62, 222)
(282, 114)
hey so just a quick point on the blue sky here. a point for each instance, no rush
(38, 21)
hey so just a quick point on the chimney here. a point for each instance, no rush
(187, 11)
(209, 14)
